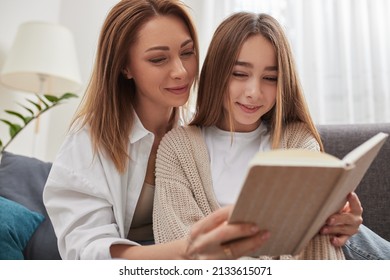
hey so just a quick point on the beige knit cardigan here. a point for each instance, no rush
(184, 192)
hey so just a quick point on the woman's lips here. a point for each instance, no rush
(178, 90)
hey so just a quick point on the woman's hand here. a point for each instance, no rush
(213, 238)
(341, 226)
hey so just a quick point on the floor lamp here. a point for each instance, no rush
(42, 60)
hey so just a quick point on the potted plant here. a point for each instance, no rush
(46, 102)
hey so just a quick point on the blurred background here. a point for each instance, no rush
(342, 50)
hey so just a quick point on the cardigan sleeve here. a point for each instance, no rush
(175, 206)
(297, 135)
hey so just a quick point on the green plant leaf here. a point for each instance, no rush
(51, 98)
(35, 104)
(68, 95)
(6, 122)
(28, 109)
(29, 119)
(20, 116)
(14, 128)
(48, 101)
(43, 101)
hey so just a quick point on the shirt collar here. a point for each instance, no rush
(138, 131)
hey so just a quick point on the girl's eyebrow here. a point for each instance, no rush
(245, 64)
(271, 68)
(250, 65)
(166, 48)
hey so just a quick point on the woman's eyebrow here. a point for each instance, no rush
(166, 48)
(186, 42)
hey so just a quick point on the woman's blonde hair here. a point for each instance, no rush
(107, 107)
(221, 57)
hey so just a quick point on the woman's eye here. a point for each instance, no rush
(157, 60)
(188, 53)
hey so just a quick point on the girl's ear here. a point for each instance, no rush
(126, 73)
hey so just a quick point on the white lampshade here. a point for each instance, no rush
(42, 60)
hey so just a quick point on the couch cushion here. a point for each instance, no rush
(374, 189)
(22, 180)
(17, 226)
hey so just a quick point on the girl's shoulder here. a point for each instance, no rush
(298, 135)
(296, 127)
(182, 142)
(182, 133)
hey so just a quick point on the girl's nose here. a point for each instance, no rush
(253, 89)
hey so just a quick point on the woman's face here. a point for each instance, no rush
(162, 63)
(252, 85)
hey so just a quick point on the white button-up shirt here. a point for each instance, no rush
(90, 204)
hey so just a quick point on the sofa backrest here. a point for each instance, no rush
(374, 189)
(22, 180)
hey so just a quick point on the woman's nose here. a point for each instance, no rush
(178, 70)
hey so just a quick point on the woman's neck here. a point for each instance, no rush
(156, 120)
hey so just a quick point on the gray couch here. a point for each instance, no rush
(22, 180)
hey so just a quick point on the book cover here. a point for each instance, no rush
(292, 192)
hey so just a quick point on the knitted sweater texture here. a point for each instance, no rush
(184, 192)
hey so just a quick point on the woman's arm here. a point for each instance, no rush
(80, 202)
(210, 238)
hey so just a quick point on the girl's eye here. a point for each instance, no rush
(157, 60)
(239, 74)
(271, 78)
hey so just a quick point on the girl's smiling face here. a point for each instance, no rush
(252, 85)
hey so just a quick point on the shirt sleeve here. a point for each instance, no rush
(80, 205)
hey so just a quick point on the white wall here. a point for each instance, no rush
(84, 19)
(12, 14)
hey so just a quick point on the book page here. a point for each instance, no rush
(296, 157)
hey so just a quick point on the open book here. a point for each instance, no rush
(291, 193)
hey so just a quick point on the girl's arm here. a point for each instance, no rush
(182, 210)
(342, 225)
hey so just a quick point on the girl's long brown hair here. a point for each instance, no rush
(218, 65)
(107, 106)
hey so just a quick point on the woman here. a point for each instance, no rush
(249, 98)
(99, 194)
